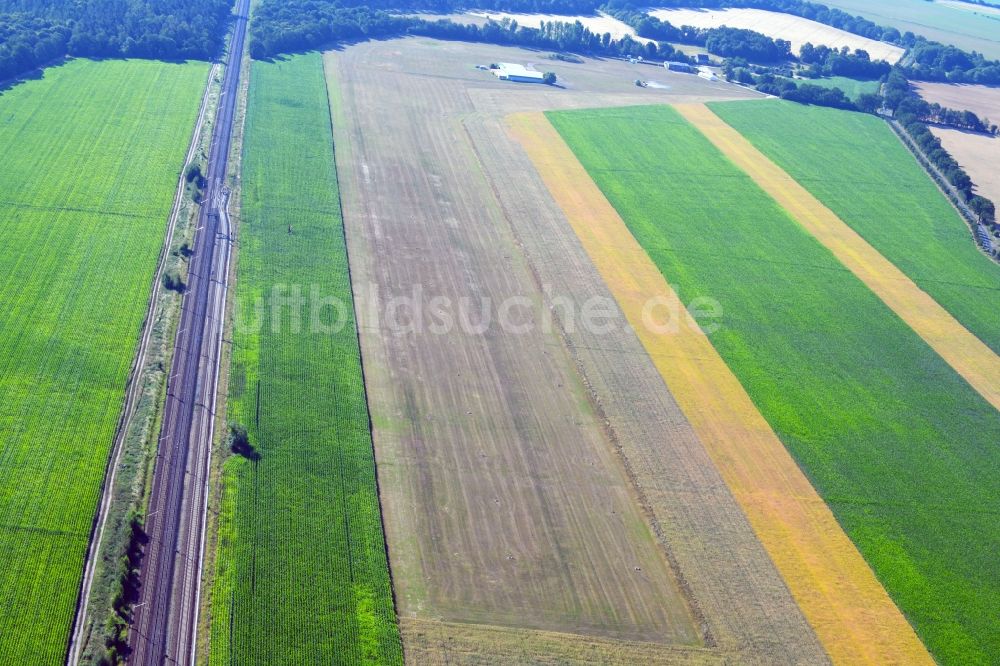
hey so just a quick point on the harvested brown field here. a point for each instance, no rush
(539, 487)
(979, 155)
(776, 25)
(984, 101)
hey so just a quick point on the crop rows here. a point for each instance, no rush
(302, 575)
(91, 157)
(898, 445)
(856, 166)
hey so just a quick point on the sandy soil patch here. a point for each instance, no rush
(963, 351)
(984, 101)
(545, 481)
(840, 596)
(776, 25)
(978, 154)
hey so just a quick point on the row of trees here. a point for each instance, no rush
(912, 112)
(805, 93)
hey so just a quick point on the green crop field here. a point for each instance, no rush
(951, 22)
(851, 87)
(902, 449)
(91, 156)
(858, 168)
(302, 575)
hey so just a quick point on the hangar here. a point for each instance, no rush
(506, 71)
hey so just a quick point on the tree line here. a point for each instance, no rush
(35, 32)
(298, 25)
(913, 113)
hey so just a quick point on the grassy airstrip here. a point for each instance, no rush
(856, 166)
(302, 574)
(91, 155)
(899, 446)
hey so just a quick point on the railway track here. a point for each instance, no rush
(165, 618)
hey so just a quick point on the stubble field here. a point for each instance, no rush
(540, 484)
(984, 101)
(979, 155)
(92, 153)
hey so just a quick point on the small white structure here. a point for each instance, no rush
(507, 71)
(707, 74)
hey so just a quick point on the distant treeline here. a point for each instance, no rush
(34, 32)
(296, 25)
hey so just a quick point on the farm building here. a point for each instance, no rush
(506, 71)
(679, 67)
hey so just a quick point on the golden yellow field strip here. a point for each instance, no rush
(852, 615)
(962, 350)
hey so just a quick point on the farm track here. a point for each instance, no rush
(165, 617)
(855, 619)
(445, 457)
(968, 355)
(133, 389)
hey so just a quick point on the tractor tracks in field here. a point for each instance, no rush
(134, 386)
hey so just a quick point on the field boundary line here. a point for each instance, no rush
(133, 388)
(330, 69)
(969, 356)
(850, 611)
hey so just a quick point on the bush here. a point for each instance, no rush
(172, 281)
(239, 442)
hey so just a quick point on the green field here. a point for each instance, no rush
(91, 156)
(851, 87)
(962, 24)
(902, 449)
(856, 166)
(302, 576)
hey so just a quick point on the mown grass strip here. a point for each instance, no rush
(857, 167)
(301, 574)
(899, 446)
(91, 156)
(852, 615)
(964, 352)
